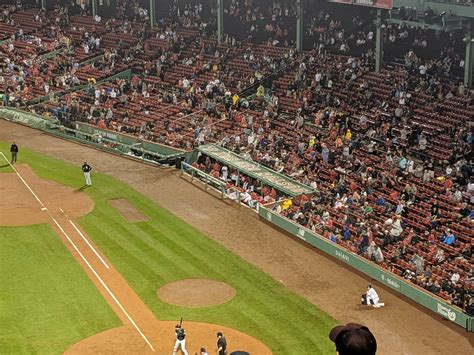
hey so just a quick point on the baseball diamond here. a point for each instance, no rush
(237, 177)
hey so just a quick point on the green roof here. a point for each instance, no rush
(268, 176)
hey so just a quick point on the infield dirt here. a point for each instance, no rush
(142, 332)
(401, 327)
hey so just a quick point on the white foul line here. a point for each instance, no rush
(21, 178)
(84, 258)
(89, 244)
(85, 239)
(104, 285)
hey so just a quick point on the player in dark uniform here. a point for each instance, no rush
(14, 151)
(86, 169)
(221, 344)
(180, 340)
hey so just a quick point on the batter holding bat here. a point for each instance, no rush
(180, 338)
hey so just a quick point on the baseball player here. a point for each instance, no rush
(180, 340)
(86, 169)
(373, 298)
(225, 172)
(221, 344)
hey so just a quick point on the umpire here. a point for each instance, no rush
(221, 344)
(14, 151)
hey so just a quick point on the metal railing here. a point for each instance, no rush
(208, 180)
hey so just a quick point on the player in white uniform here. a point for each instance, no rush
(180, 340)
(86, 169)
(225, 172)
(373, 297)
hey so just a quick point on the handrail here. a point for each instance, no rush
(207, 178)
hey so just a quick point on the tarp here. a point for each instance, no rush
(29, 119)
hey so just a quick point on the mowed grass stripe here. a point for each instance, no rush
(250, 297)
(255, 300)
(120, 253)
(127, 240)
(47, 301)
(149, 254)
(151, 239)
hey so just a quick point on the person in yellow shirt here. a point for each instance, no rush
(312, 142)
(260, 91)
(287, 204)
(235, 99)
(348, 134)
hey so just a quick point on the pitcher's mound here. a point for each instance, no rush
(196, 292)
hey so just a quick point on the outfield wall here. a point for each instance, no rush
(396, 283)
(110, 141)
(128, 139)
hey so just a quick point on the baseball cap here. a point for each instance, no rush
(353, 339)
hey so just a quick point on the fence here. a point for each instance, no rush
(129, 140)
(396, 283)
(113, 142)
(209, 180)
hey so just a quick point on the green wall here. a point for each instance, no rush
(396, 283)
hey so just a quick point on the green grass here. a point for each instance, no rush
(164, 248)
(47, 302)
(4, 166)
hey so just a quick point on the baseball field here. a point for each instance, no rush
(107, 270)
(53, 300)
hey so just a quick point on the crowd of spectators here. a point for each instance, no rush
(389, 154)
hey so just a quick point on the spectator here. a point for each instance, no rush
(448, 237)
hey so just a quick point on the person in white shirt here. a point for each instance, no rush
(225, 172)
(423, 69)
(455, 277)
(246, 198)
(373, 298)
(449, 170)
(317, 78)
(396, 227)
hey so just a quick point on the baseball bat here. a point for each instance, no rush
(180, 322)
